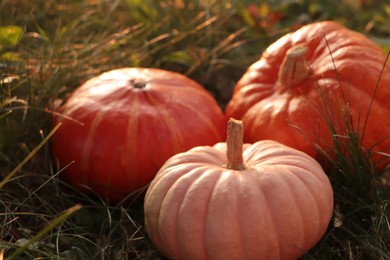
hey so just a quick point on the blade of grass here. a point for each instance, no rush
(42, 185)
(55, 222)
(28, 157)
(5, 114)
(374, 93)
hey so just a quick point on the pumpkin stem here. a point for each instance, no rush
(234, 143)
(138, 83)
(294, 68)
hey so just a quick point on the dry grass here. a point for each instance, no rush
(54, 46)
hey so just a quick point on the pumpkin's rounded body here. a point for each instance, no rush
(278, 207)
(343, 69)
(120, 127)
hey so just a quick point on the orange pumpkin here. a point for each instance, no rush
(308, 80)
(120, 127)
(235, 201)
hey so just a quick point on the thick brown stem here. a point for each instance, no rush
(234, 143)
(137, 83)
(294, 69)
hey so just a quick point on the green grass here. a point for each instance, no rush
(48, 48)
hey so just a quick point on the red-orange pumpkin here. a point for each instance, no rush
(299, 83)
(120, 127)
(235, 201)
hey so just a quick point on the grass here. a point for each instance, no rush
(361, 224)
(48, 48)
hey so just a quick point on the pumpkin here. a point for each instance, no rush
(238, 201)
(121, 126)
(306, 83)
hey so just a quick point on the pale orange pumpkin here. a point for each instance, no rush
(235, 201)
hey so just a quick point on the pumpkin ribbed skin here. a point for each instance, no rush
(293, 114)
(120, 127)
(278, 207)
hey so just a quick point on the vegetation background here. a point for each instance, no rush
(48, 48)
